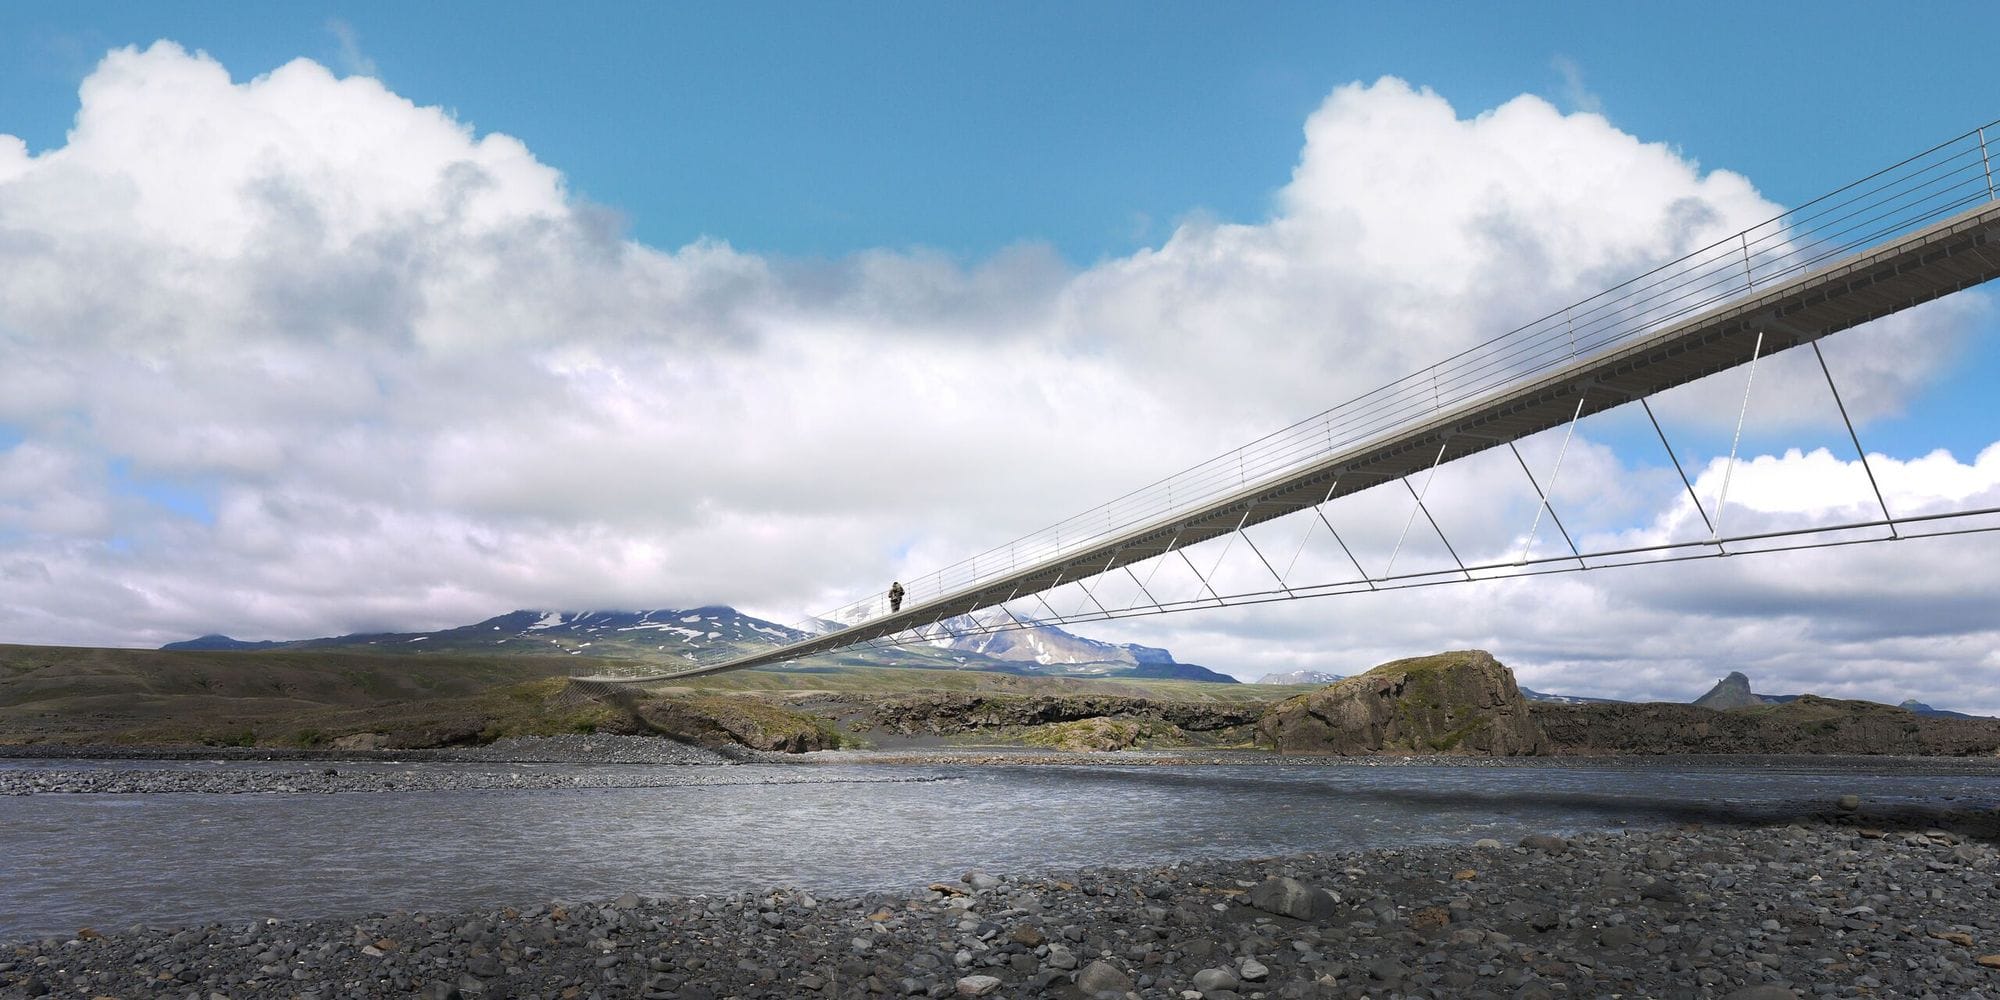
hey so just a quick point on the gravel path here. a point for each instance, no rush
(1831, 909)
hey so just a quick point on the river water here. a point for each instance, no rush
(113, 860)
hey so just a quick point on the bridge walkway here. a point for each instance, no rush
(1820, 269)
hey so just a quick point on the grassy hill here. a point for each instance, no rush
(310, 698)
(70, 694)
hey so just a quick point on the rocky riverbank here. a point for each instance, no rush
(1807, 725)
(599, 748)
(132, 781)
(1839, 908)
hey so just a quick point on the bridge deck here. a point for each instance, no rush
(1951, 255)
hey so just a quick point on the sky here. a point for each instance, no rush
(328, 318)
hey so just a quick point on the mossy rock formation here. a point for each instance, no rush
(952, 712)
(714, 721)
(1461, 702)
(1086, 734)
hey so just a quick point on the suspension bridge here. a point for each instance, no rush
(1911, 233)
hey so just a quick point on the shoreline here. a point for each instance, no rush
(566, 749)
(618, 748)
(1829, 908)
(619, 761)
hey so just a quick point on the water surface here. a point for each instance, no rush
(68, 861)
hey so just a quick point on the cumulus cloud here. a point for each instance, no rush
(1405, 234)
(294, 355)
(1884, 621)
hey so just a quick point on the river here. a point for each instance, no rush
(113, 860)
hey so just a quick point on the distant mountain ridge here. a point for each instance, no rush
(1301, 677)
(672, 636)
(1567, 699)
(1733, 691)
(1922, 709)
(214, 642)
(682, 633)
(1050, 650)
(677, 637)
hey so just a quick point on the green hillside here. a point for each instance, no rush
(311, 697)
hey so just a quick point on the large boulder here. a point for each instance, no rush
(1293, 898)
(1462, 702)
(359, 741)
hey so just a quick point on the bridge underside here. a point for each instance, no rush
(1949, 256)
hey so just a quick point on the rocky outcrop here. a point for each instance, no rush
(359, 741)
(1100, 734)
(1730, 692)
(1462, 702)
(722, 721)
(945, 713)
(1806, 725)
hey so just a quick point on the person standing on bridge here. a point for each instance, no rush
(895, 596)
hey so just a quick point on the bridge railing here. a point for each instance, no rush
(1932, 185)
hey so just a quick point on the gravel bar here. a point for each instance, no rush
(1837, 909)
(131, 781)
(564, 749)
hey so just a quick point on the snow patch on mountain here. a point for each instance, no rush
(1300, 677)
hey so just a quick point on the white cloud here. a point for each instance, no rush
(1884, 621)
(414, 381)
(49, 491)
(1405, 235)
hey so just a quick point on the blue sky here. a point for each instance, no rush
(266, 372)
(822, 129)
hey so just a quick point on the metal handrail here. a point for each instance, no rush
(1877, 208)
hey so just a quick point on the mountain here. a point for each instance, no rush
(669, 637)
(1567, 699)
(1734, 691)
(1730, 692)
(1922, 709)
(669, 634)
(1046, 649)
(1300, 677)
(216, 642)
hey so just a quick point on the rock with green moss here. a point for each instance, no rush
(1091, 734)
(944, 712)
(722, 720)
(1463, 702)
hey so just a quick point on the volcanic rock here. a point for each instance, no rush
(1292, 898)
(1461, 702)
(1730, 692)
(1102, 977)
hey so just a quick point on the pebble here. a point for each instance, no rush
(978, 986)
(688, 766)
(1819, 909)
